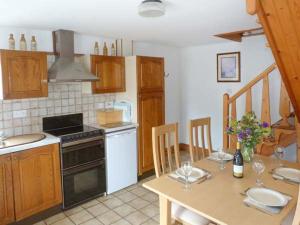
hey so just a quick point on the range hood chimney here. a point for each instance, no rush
(65, 69)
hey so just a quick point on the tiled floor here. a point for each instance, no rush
(131, 206)
(134, 205)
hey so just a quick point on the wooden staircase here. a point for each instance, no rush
(284, 131)
(280, 20)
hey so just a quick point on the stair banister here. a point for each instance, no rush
(229, 105)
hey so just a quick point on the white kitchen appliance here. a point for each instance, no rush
(121, 159)
(126, 106)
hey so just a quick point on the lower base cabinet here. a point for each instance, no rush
(30, 182)
(36, 180)
(7, 214)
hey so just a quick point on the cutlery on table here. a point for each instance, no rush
(244, 193)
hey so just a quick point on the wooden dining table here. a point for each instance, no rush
(219, 198)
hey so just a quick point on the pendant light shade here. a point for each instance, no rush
(152, 8)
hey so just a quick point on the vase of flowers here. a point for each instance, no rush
(250, 131)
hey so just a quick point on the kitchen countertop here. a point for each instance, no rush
(115, 129)
(46, 141)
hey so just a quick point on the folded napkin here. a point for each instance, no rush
(191, 179)
(268, 209)
(279, 177)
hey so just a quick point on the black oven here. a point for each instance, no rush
(83, 165)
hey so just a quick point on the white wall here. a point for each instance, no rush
(172, 67)
(201, 95)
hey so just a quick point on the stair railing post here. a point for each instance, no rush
(284, 106)
(225, 120)
(265, 107)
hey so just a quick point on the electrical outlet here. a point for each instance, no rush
(19, 114)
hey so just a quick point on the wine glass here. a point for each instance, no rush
(221, 156)
(279, 154)
(259, 167)
(186, 168)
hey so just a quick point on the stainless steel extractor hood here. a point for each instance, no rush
(65, 69)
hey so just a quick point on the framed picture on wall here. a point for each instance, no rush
(229, 67)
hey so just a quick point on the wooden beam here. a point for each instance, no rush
(238, 35)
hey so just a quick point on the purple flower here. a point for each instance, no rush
(241, 136)
(265, 124)
(248, 131)
(229, 129)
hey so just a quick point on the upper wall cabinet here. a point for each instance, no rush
(151, 70)
(111, 73)
(24, 74)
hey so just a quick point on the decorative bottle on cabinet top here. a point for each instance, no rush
(23, 45)
(113, 50)
(105, 50)
(96, 48)
(33, 44)
(11, 42)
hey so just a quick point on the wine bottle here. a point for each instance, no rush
(238, 162)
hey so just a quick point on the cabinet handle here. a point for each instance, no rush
(44, 81)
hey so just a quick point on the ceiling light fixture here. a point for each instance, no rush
(151, 8)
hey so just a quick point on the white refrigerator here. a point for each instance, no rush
(121, 159)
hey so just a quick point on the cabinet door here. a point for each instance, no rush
(6, 191)
(111, 73)
(24, 74)
(151, 114)
(37, 180)
(150, 74)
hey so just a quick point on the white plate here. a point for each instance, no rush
(227, 157)
(196, 173)
(288, 173)
(267, 197)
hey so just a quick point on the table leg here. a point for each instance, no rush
(165, 211)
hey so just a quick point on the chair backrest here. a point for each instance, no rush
(199, 128)
(162, 137)
(296, 220)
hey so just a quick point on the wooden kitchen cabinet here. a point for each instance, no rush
(24, 74)
(151, 114)
(151, 74)
(7, 214)
(36, 180)
(111, 73)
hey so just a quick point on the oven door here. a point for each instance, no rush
(83, 183)
(83, 152)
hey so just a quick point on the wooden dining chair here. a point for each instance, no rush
(163, 158)
(198, 129)
(162, 138)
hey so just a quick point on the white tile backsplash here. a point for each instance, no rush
(63, 98)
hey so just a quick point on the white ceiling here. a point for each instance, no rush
(186, 22)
